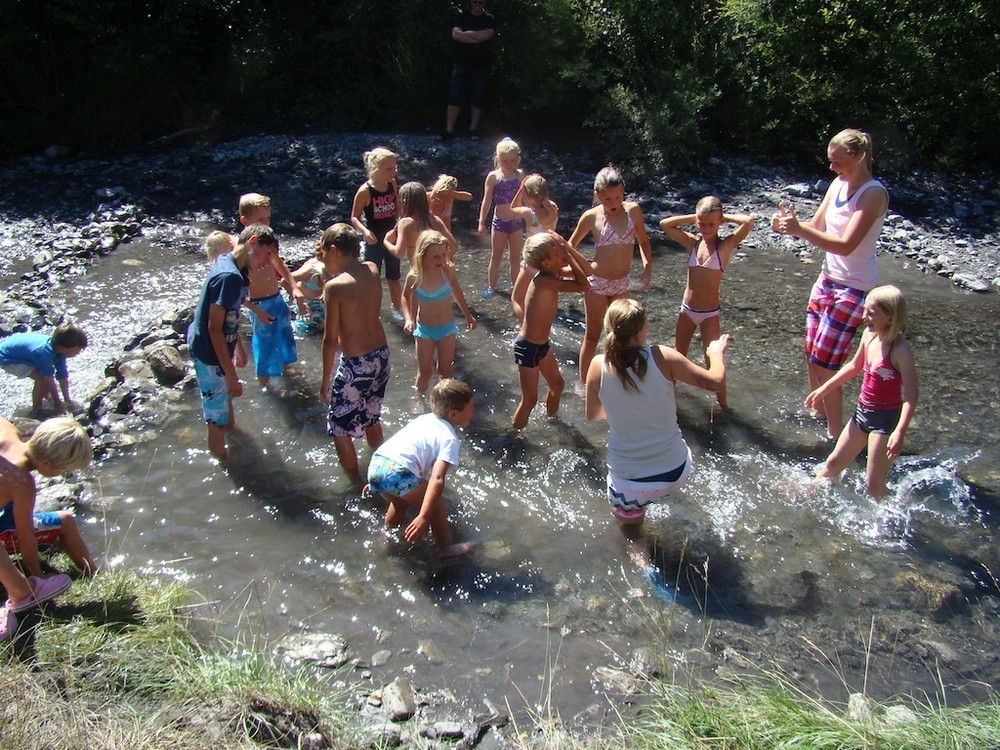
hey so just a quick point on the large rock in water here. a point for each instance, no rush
(167, 363)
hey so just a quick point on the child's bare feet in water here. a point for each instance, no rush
(454, 550)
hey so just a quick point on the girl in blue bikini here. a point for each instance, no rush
(430, 287)
(708, 256)
(500, 187)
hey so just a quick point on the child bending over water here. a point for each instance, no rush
(708, 256)
(442, 196)
(410, 468)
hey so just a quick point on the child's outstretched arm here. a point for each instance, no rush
(440, 226)
(675, 365)
(849, 371)
(290, 284)
(671, 227)
(459, 195)
(902, 359)
(432, 505)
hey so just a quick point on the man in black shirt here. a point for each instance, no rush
(473, 34)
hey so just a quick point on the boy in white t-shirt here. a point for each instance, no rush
(409, 469)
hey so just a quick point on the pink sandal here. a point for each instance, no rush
(8, 623)
(42, 589)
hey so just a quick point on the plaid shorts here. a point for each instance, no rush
(834, 314)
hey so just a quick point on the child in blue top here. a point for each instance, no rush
(43, 359)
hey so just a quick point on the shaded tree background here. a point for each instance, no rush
(670, 80)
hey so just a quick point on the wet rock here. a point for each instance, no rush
(443, 730)
(321, 649)
(645, 662)
(166, 363)
(431, 652)
(896, 716)
(968, 281)
(398, 700)
(135, 369)
(928, 595)
(939, 651)
(619, 680)
(381, 658)
(859, 708)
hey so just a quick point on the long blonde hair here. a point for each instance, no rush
(428, 238)
(890, 300)
(623, 321)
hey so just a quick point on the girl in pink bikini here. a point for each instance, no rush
(708, 256)
(888, 392)
(617, 226)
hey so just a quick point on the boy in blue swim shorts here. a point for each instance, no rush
(410, 468)
(213, 337)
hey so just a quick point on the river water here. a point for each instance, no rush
(823, 583)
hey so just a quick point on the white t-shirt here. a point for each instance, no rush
(421, 443)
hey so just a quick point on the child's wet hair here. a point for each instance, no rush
(507, 146)
(376, 158)
(69, 336)
(536, 187)
(622, 323)
(62, 442)
(444, 182)
(537, 248)
(250, 201)
(708, 205)
(449, 394)
(264, 234)
(855, 142)
(891, 301)
(425, 241)
(413, 202)
(343, 237)
(608, 177)
(217, 243)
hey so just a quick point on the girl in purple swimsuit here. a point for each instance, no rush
(708, 256)
(500, 188)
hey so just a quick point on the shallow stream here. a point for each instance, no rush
(822, 583)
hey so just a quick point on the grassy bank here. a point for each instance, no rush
(114, 664)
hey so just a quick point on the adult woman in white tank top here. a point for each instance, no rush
(847, 226)
(632, 386)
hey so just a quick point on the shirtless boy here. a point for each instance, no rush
(273, 342)
(550, 254)
(353, 300)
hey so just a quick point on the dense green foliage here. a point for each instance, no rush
(668, 80)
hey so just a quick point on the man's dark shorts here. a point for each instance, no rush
(468, 83)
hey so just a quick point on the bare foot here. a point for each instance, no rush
(455, 550)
